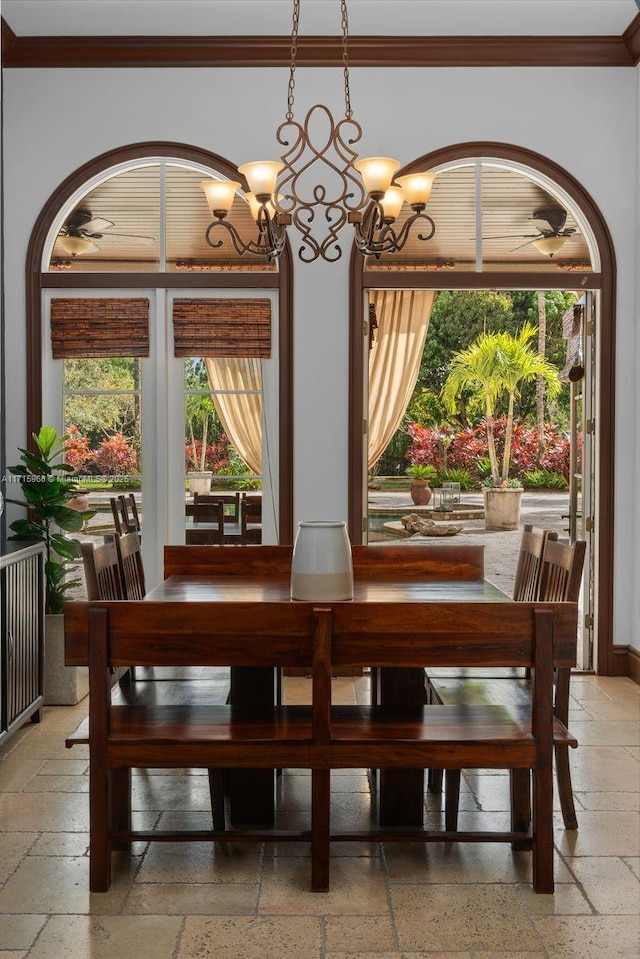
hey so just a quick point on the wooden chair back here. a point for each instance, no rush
(125, 514)
(210, 517)
(527, 582)
(250, 519)
(228, 499)
(102, 571)
(131, 569)
(561, 572)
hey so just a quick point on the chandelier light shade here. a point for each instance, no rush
(220, 195)
(319, 184)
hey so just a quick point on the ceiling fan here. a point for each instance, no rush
(551, 235)
(82, 228)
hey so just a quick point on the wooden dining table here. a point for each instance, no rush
(383, 574)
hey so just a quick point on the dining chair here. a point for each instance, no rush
(103, 580)
(559, 579)
(251, 519)
(125, 514)
(527, 579)
(228, 499)
(102, 570)
(210, 518)
(129, 550)
(114, 570)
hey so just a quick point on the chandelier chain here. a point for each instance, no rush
(348, 112)
(292, 65)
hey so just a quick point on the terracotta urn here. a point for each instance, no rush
(421, 492)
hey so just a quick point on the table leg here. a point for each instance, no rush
(252, 791)
(401, 800)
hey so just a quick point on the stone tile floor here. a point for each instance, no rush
(187, 901)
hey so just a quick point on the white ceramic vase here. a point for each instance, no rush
(321, 566)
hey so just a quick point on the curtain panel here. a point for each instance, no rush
(394, 360)
(240, 413)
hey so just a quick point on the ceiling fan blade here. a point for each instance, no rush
(522, 245)
(97, 225)
(145, 240)
(510, 236)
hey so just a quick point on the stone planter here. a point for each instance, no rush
(501, 508)
(63, 685)
(200, 483)
(421, 492)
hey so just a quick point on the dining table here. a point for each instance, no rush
(383, 574)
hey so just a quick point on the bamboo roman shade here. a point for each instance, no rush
(99, 327)
(213, 327)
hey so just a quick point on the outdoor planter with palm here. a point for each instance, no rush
(421, 475)
(200, 411)
(47, 493)
(495, 366)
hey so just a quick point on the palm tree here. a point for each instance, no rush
(495, 364)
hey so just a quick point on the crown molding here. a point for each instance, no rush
(631, 37)
(101, 52)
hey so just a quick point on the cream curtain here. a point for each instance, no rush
(394, 360)
(240, 414)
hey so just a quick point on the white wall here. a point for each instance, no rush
(585, 120)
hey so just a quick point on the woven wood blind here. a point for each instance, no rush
(222, 327)
(96, 328)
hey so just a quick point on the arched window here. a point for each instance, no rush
(163, 355)
(510, 219)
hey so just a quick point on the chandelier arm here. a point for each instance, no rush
(253, 247)
(403, 235)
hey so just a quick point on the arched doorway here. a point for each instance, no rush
(176, 269)
(479, 269)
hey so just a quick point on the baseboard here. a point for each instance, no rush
(626, 662)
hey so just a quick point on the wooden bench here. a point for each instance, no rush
(317, 737)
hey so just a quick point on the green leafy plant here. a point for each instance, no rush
(47, 488)
(455, 476)
(422, 471)
(494, 365)
(543, 479)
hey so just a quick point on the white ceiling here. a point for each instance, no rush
(322, 17)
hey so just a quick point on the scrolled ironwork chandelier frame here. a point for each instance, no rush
(291, 191)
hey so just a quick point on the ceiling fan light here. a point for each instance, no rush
(548, 245)
(75, 245)
(392, 202)
(261, 176)
(416, 187)
(220, 194)
(377, 173)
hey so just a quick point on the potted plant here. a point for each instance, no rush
(199, 410)
(494, 365)
(421, 475)
(49, 495)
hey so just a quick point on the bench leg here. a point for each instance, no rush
(543, 830)
(100, 828)
(520, 787)
(216, 792)
(451, 799)
(565, 789)
(120, 792)
(320, 820)
(434, 780)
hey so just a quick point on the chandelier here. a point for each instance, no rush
(319, 184)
